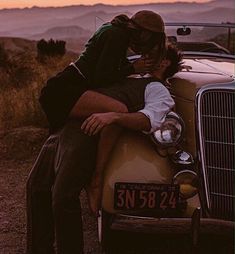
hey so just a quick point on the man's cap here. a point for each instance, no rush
(149, 20)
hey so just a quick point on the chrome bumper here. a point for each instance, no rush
(192, 225)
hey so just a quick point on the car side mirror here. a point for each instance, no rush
(183, 31)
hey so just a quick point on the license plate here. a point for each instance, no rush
(135, 196)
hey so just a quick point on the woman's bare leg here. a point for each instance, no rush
(93, 102)
(108, 138)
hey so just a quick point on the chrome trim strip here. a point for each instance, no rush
(219, 117)
(217, 142)
(202, 159)
(222, 195)
(223, 86)
(207, 54)
(225, 169)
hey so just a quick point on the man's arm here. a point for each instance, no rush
(134, 121)
(158, 102)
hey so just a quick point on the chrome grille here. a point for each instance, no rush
(216, 128)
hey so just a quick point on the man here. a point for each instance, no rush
(157, 102)
(68, 158)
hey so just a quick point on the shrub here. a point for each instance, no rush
(50, 48)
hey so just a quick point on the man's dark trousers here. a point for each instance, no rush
(64, 166)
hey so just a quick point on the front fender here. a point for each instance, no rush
(134, 159)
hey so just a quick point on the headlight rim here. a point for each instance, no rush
(177, 117)
(186, 171)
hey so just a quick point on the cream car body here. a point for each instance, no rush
(135, 158)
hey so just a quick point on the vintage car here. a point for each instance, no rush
(154, 183)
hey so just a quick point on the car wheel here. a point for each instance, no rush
(104, 231)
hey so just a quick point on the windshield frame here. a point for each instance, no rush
(228, 25)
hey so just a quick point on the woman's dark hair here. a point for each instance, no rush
(121, 20)
(175, 56)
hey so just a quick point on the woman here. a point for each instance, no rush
(103, 63)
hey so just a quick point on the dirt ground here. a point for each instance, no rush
(18, 151)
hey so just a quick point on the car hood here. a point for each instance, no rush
(198, 72)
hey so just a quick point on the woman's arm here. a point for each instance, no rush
(111, 63)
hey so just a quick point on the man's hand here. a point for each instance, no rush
(94, 123)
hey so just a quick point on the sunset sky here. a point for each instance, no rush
(30, 3)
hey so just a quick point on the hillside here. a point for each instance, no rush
(18, 44)
(216, 15)
(22, 77)
(29, 22)
(63, 32)
(224, 3)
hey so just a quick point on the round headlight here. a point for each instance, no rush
(171, 131)
(188, 183)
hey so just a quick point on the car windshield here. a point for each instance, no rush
(211, 38)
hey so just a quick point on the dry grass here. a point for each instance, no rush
(19, 107)
(20, 86)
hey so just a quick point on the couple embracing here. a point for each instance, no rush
(88, 105)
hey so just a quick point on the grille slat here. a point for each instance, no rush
(217, 119)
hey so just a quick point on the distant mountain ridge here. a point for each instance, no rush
(80, 21)
(61, 32)
(219, 3)
(100, 6)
